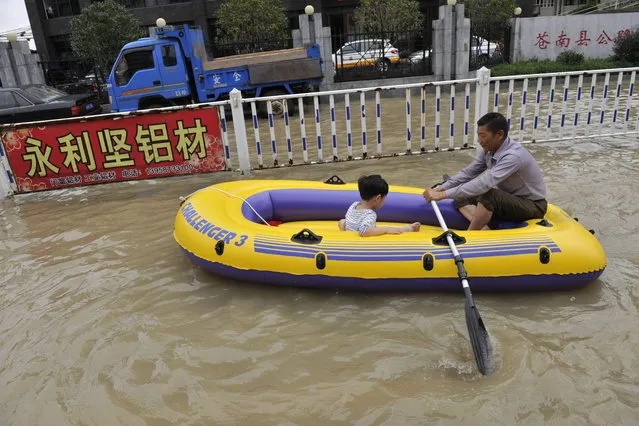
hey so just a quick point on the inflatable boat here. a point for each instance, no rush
(286, 233)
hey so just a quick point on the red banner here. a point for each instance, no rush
(115, 149)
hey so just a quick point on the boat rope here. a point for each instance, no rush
(230, 195)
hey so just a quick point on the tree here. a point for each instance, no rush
(252, 25)
(490, 18)
(627, 47)
(387, 16)
(100, 31)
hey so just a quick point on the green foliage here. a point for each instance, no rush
(570, 57)
(252, 21)
(382, 16)
(490, 18)
(541, 67)
(588, 7)
(626, 47)
(100, 31)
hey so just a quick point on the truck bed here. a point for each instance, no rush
(255, 58)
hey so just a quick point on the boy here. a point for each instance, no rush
(361, 216)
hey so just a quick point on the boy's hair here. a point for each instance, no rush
(372, 185)
(494, 122)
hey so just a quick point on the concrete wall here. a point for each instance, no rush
(322, 36)
(18, 66)
(546, 37)
(451, 43)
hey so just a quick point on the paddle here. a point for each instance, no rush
(479, 338)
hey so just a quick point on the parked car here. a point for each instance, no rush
(481, 52)
(41, 102)
(367, 52)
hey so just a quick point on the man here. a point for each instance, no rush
(512, 187)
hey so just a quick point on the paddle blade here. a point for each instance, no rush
(480, 340)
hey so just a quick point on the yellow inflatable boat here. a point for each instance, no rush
(286, 232)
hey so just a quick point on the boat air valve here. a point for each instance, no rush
(428, 261)
(306, 236)
(544, 255)
(219, 248)
(320, 260)
(545, 223)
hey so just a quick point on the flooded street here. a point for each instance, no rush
(104, 321)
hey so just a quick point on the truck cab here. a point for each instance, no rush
(149, 73)
(172, 68)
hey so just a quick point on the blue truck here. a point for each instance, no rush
(172, 68)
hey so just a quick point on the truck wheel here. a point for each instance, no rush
(277, 106)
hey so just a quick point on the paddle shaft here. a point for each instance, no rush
(461, 271)
(479, 338)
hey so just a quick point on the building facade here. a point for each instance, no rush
(50, 19)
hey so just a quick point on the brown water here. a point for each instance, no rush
(103, 321)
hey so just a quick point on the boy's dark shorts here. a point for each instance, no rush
(507, 206)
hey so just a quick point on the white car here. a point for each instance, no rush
(367, 52)
(481, 52)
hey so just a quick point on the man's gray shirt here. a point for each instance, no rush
(511, 168)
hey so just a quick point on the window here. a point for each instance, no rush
(168, 55)
(133, 4)
(44, 93)
(132, 62)
(59, 8)
(22, 102)
(375, 45)
(348, 49)
(62, 45)
(545, 3)
(10, 99)
(7, 100)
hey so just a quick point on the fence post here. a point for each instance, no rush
(6, 177)
(482, 97)
(239, 128)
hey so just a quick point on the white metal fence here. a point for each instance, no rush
(413, 118)
(429, 117)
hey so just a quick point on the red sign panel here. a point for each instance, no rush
(115, 149)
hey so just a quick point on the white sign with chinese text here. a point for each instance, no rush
(593, 35)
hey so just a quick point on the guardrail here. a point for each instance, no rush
(363, 123)
(554, 108)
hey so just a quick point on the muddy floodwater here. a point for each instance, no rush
(104, 321)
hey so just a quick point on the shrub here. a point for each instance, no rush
(570, 57)
(626, 47)
(535, 66)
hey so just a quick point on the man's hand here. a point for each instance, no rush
(435, 194)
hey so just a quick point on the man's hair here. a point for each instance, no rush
(372, 185)
(494, 122)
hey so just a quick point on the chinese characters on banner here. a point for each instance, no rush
(577, 38)
(136, 147)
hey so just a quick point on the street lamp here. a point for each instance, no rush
(517, 11)
(11, 36)
(160, 22)
(310, 10)
(452, 2)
